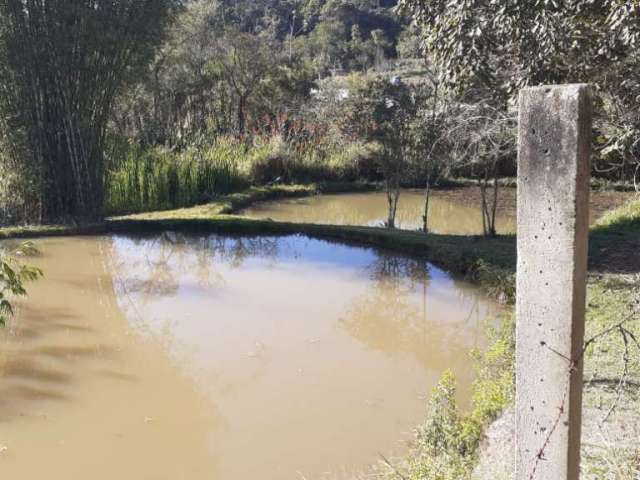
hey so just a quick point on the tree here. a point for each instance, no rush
(380, 43)
(380, 110)
(63, 63)
(245, 60)
(481, 138)
(521, 42)
(428, 139)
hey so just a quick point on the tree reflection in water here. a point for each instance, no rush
(402, 313)
(153, 266)
(400, 306)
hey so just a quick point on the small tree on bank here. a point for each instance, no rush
(428, 139)
(381, 111)
(482, 137)
(62, 63)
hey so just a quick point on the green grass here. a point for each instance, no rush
(227, 204)
(157, 178)
(151, 179)
(622, 220)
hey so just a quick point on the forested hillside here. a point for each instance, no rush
(227, 65)
(205, 97)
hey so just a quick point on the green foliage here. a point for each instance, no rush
(227, 66)
(146, 179)
(498, 282)
(494, 387)
(492, 49)
(547, 41)
(275, 159)
(441, 444)
(448, 441)
(61, 66)
(158, 179)
(13, 275)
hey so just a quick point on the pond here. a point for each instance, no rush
(454, 211)
(370, 208)
(211, 357)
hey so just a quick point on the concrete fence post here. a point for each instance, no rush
(553, 227)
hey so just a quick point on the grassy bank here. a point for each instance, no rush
(233, 202)
(487, 262)
(150, 179)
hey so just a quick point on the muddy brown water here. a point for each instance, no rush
(193, 358)
(370, 208)
(454, 211)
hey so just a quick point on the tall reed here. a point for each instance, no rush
(159, 179)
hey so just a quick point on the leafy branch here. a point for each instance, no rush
(13, 275)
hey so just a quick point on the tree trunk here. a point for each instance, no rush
(483, 206)
(242, 101)
(494, 207)
(393, 196)
(427, 197)
(489, 212)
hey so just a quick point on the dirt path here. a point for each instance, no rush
(601, 202)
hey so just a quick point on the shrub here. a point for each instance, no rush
(157, 178)
(447, 444)
(269, 161)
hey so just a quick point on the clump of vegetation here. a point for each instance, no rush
(498, 282)
(275, 160)
(56, 119)
(13, 275)
(447, 442)
(159, 179)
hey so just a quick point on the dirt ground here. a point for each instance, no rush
(601, 202)
(607, 446)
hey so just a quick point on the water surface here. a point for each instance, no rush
(453, 211)
(175, 357)
(370, 209)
